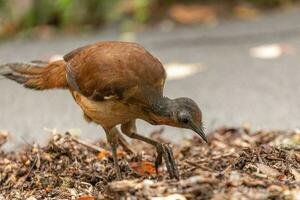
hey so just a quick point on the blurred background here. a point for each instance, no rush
(239, 59)
(42, 17)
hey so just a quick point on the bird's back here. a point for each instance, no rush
(119, 70)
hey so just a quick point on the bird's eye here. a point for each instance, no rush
(185, 120)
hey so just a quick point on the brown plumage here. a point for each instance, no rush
(114, 83)
(38, 75)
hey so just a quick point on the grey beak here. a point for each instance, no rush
(199, 130)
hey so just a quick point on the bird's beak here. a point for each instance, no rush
(199, 130)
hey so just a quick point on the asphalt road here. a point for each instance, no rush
(234, 88)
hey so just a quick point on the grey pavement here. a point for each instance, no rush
(233, 89)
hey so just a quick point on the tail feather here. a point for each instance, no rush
(37, 75)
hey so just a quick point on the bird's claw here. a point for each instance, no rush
(165, 152)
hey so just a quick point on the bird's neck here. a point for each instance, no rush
(162, 106)
(162, 112)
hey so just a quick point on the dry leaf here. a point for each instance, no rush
(103, 154)
(205, 170)
(234, 178)
(85, 198)
(170, 197)
(269, 171)
(121, 154)
(3, 137)
(281, 177)
(143, 167)
(218, 144)
(124, 185)
(296, 174)
(48, 189)
(275, 188)
(252, 182)
(31, 198)
(297, 157)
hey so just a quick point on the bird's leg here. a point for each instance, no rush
(163, 150)
(112, 137)
(125, 144)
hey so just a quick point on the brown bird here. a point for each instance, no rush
(114, 83)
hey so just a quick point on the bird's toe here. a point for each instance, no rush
(164, 151)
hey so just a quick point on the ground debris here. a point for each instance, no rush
(236, 164)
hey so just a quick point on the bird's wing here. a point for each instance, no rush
(114, 70)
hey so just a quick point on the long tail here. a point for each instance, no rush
(37, 75)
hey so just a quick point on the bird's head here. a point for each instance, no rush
(188, 115)
(181, 112)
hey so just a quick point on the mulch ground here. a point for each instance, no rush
(236, 164)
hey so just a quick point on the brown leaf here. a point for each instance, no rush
(85, 198)
(266, 148)
(121, 154)
(143, 167)
(253, 182)
(218, 144)
(275, 188)
(3, 137)
(269, 171)
(124, 185)
(281, 177)
(103, 154)
(48, 189)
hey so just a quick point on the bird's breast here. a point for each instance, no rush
(108, 113)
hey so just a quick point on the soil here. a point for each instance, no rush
(236, 164)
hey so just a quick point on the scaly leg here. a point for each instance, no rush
(163, 150)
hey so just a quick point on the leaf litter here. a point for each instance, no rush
(236, 164)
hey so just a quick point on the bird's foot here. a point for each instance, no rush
(115, 160)
(118, 173)
(164, 151)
